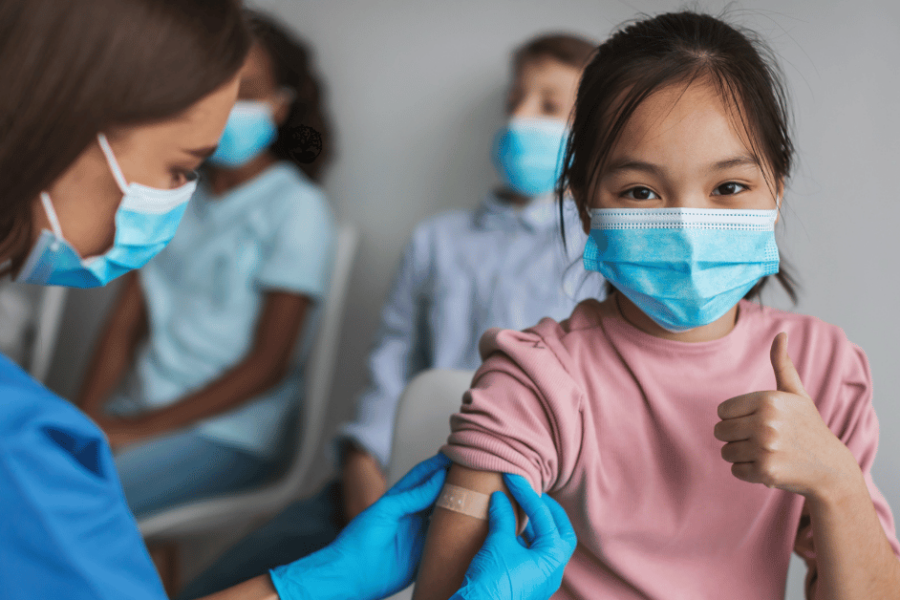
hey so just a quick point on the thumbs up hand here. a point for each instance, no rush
(778, 438)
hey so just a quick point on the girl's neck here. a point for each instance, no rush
(222, 180)
(630, 313)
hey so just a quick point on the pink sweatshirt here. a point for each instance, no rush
(617, 425)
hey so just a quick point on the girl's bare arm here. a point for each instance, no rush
(454, 538)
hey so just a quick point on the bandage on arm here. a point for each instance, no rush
(454, 536)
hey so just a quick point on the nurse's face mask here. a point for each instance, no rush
(146, 221)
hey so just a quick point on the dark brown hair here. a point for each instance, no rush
(650, 54)
(567, 48)
(293, 69)
(71, 70)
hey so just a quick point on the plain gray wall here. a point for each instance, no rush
(416, 91)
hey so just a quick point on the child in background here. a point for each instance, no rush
(501, 265)
(210, 326)
(677, 161)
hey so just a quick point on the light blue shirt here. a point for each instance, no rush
(205, 291)
(462, 273)
(66, 531)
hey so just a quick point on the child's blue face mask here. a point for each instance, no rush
(528, 154)
(146, 221)
(249, 131)
(683, 267)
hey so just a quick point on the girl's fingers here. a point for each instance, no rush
(534, 507)
(528, 534)
(421, 472)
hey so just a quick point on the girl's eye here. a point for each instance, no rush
(640, 193)
(729, 189)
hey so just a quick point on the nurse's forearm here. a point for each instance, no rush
(258, 588)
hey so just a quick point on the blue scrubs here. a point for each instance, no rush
(65, 530)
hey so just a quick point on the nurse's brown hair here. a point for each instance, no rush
(676, 49)
(70, 70)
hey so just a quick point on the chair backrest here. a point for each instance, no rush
(422, 423)
(319, 369)
(30, 316)
(205, 515)
(49, 318)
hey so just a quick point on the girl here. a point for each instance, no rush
(213, 384)
(677, 160)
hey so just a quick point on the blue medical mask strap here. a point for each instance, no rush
(112, 162)
(51, 216)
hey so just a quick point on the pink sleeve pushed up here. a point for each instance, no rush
(508, 422)
(855, 423)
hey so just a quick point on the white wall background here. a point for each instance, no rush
(416, 91)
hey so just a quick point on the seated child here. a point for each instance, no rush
(501, 265)
(207, 331)
(677, 161)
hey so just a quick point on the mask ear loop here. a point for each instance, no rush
(112, 162)
(51, 216)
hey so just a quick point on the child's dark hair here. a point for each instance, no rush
(675, 48)
(292, 66)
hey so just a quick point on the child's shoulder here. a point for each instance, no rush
(807, 327)
(447, 223)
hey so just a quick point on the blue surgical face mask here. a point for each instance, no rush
(683, 267)
(250, 130)
(528, 154)
(146, 221)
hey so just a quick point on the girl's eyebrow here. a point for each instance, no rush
(628, 164)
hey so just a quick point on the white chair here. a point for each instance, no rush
(49, 318)
(220, 511)
(30, 316)
(423, 423)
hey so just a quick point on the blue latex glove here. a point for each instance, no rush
(378, 553)
(507, 569)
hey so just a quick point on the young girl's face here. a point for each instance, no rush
(682, 149)
(544, 88)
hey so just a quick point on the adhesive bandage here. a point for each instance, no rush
(467, 502)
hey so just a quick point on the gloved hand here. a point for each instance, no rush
(505, 568)
(378, 553)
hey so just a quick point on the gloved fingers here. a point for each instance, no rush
(502, 519)
(543, 525)
(566, 531)
(421, 472)
(528, 534)
(415, 499)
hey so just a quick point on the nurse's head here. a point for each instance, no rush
(681, 110)
(539, 104)
(157, 77)
(280, 110)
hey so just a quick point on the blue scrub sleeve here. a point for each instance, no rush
(301, 250)
(66, 531)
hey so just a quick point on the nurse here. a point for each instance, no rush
(108, 107)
